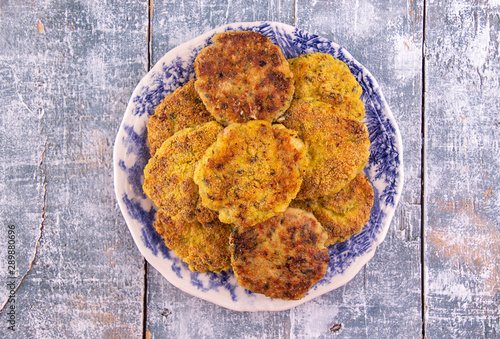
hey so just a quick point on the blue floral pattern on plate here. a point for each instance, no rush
(384, 170)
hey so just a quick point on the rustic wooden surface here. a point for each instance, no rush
(67, 70)
(462, 180)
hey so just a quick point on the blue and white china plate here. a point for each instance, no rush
(131, 154)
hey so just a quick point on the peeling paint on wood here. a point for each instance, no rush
(39, 26)
(462, 183)
(67, 71)
(174, 23)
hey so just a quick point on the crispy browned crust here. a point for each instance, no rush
(282, 257)
(204, 246)
(242, 77)
(251, 172)
(338, 147)
(204, 215)
(322, 77)
(168, 176)
(345, 213)
(181, 109)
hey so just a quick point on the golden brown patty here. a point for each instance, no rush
(337, 147)
(243, 76)
(282, 257)
(322, 77)
(169, 174)
(345, 213)
(181, 109)
(204, 246)
(251, 172)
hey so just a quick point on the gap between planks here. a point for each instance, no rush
(145, 332)
(422, 181)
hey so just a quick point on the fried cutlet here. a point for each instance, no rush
(322, 77)
(251, 172)
(204, 246)
(242, 77)
(181, 109)
(345, 213)
(169, 174)
(337, 147)
(282, 257)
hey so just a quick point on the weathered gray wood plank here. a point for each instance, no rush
(21, 172)
(68, 69)
(384, 299)
(462, 182)
(174, 22)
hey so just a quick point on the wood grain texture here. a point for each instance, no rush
(462, 182)
(175, 22)
(67, 72)
(21, 155)
(384, 299)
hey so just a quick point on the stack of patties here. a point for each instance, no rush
(326, 112)
(225, 176)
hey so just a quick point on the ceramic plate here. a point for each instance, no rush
(131, 153)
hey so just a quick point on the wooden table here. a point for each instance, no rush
(67, 70)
